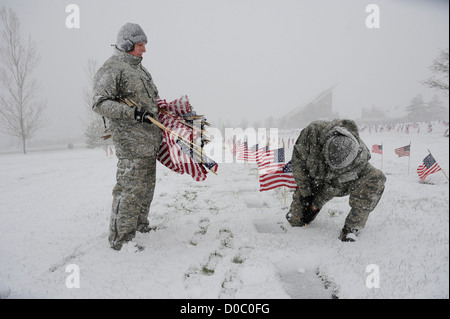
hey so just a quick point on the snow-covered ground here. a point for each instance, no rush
(221, 238)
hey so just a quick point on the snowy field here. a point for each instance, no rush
(221, 238)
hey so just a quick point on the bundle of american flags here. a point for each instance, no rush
(181, 149)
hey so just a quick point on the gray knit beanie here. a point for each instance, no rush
(341, 150)
(129, 35)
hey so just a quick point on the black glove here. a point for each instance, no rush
(308, 213)
(307, 201)
(140, 115)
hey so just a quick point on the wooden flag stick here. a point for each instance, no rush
(246, 152)
(439, 165)
(257, 171)
(409, 160)
(284, 160)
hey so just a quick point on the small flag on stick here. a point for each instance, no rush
(377, 149)
(403, 151)
(429, 166)
(281, 177)
(271, 161)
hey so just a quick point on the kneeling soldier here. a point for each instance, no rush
(330, 160)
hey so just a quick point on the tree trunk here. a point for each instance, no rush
(23, 144)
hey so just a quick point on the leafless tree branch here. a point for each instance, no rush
(20, 110)
(440, 68)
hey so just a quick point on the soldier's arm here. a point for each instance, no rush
(106, 92)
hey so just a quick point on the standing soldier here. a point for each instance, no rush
(136, 141)
(330, 160)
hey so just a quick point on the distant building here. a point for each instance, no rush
(318, 108)
(373, 114)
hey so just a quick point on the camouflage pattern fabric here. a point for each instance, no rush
(123, 77)
(363, 182)
(133, 194)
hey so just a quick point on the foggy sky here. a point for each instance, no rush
(242, 58)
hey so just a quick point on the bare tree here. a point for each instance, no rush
(88, 93)
(439, 79)
(95, 127)
(20, 111)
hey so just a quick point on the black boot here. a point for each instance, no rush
(348, 234)
(299, 221)
(145, 228)
(294, 220)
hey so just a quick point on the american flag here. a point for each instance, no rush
(175, 153)
(178, 107)
(253, 154)
(281, 177)
(242, 151)
(249, 154)
(271, 161)
(377, 149)
(233, 146)
(261, 154)
(429, 166)
(403, 151)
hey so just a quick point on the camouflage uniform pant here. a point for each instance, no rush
(365, 193)
(133, 194)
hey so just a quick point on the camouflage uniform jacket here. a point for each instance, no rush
(309, 164)
(123, 76)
